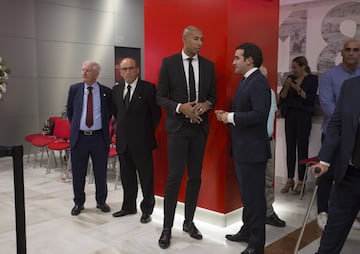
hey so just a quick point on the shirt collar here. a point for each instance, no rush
(185, 57)
(249, 72)
(94, 85)
(133, 84)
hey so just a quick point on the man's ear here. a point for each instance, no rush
(249, 61)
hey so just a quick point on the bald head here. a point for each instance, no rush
(192, 39)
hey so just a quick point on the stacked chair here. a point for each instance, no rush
(60, 142)
(41, 140)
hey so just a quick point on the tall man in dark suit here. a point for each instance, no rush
(342, 141)
(250, 144)
(89, 111)
(186, 89)
(137, 115)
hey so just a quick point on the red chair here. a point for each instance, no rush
(41, 142)
(60, 142)
(307, 162)
(28, 138)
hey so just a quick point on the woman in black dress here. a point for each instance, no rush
(298, 96)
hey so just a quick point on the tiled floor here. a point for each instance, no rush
(52, 230)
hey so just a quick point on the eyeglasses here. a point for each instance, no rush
(127, 68)
(351, 49)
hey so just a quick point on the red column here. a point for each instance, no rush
(224, 24)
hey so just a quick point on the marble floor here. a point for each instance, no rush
(50, 229)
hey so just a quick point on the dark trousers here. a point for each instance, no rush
(251, 179)
(89, 146)
(185, 148)
(297, 131)
(343, 209)
(325, 183)
(132, 165)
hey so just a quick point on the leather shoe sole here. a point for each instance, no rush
(275, 221)
(164, 240)
(122, 213)
(192, 230)
(238, 237)
(76, 210)
(145, 218)
(103, 207)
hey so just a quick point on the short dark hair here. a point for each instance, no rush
(252, 50)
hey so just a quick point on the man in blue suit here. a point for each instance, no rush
(89, 111)
(250, 144)
(342, 142)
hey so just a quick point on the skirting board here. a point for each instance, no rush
(205, 215)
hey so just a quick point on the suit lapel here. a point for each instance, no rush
(180, 63)
(136, 93)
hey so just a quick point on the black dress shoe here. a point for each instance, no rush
(250, 250)
(238, 237)
(103, 207)
(164, 240)
(275, 221)
(122, 213)
(189, 227)
(77, 209)
(145, 218)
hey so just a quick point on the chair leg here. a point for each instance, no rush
(29, 151)
(36, 157)
(304, 181)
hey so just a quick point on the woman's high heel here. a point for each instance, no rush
(298, 187)
(289, 185)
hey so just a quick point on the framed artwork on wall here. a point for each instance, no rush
(123, 52)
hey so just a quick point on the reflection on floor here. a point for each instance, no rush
(51, 229)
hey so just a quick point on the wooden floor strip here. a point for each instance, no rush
(286, 245)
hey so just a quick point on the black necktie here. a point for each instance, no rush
(356, 152)
(127, 97)
(89, 109)
(192, 92)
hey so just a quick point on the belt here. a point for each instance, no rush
(90, 132)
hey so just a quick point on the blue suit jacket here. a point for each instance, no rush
(74, 110)
(341, 132)
(251, 105)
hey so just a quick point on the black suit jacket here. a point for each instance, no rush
(172, 89)
(251, 107)
(74, 110)
(341, 132)
(135, 127)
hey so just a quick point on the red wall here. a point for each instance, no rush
(224, 24)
